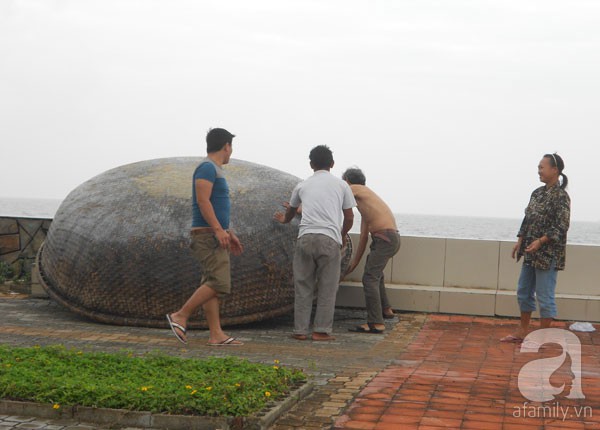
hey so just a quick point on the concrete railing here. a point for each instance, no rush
(20, 239)
(475, 277)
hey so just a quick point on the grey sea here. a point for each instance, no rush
(455, 227)
(462, 227)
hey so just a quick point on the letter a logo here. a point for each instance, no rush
(534, 377)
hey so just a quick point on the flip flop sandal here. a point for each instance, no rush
(175, 326)
(230, 341)
(511, 339)
(323, 338)
(361, 329)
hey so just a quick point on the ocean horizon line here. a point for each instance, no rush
(56, 202)
(474, 227)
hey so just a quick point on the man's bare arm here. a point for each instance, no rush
(286, 217)
(347, 225)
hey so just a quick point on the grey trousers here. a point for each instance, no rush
(317, 260)
(384, 245)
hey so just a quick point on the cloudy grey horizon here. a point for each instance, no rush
(446, 106)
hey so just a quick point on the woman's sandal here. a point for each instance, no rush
(511, 339)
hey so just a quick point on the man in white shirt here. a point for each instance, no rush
(327, 217)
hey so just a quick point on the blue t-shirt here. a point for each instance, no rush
(219, 197)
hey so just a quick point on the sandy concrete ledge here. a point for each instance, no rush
(121, 418)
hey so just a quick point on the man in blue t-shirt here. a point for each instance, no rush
(211, 240)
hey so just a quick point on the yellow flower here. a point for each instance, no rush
(56, 406)
(144, 388)
(267, 394)
(208, 388)
(237, 384)
(193, 392)
(79, 352)
(276, 361)
(188, 387)
(275, 367)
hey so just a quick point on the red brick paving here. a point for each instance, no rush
(456, 374)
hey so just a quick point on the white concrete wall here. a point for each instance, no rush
(475, 277)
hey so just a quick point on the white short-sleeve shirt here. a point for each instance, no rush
(323, 197)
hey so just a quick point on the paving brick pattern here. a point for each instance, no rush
(426, 372)
(339, 369)
(455, 374)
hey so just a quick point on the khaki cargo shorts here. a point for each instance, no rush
(214, 261)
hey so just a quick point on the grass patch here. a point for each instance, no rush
(15, 272)
(154, 382)
(6, 272)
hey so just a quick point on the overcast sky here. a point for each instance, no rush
(447, 106)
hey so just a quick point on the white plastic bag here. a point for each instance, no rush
(582, 326)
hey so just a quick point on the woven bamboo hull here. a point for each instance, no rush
(118, 251)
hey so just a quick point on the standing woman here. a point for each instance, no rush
(542, 242)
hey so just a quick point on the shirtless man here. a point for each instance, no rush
(377, 219)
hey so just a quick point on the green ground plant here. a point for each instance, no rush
(6, 272)
(154, 382)
(15, 272)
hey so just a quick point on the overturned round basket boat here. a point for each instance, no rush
(118, 252)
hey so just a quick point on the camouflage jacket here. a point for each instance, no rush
(548, 213)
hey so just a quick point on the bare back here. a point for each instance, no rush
(373, 210)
